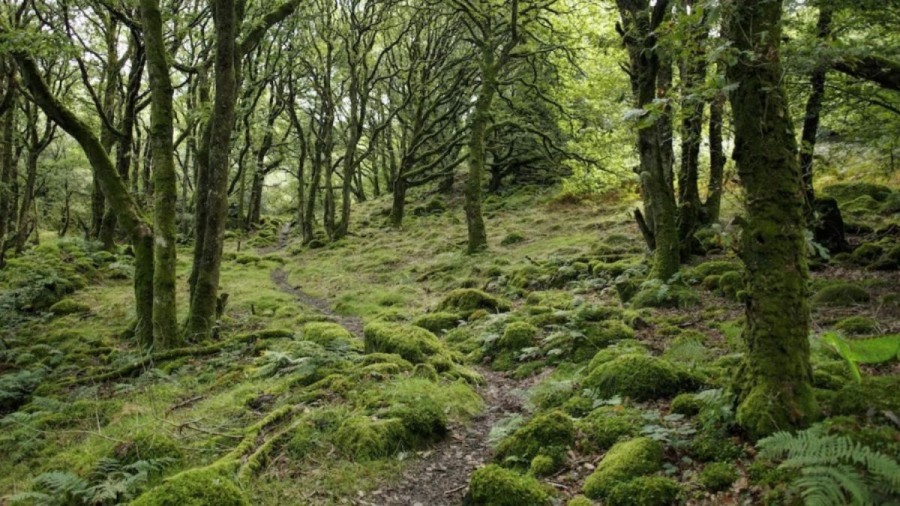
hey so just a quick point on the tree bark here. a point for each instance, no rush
(713, 203)
(774, 382)
(7, 159)
(811, 118)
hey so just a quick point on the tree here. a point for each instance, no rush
(774, 383)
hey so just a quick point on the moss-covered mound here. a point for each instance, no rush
(846, 192)
(645, 491)
(438, 322)
(465, 301)
(857, 326)
(841, 294)
(712, 268)
(655, 293)
(622, 463)
(629, 347)
(606, 426)
(365, 437)
(146, 445)
(493, 485)
(195, 487)
(326, 333)
(639, 377)
(731, 284)
(69, 306)
(517, 335)
(550, 434)
(718, 476)
(888, 261)
(412, 343)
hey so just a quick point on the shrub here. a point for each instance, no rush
(624, 462)
(718, 476)
(494, 486)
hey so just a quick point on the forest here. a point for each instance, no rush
(449, 252)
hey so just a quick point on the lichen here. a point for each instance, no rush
(493, 485)
(624, 462)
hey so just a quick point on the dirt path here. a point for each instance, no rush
(440, 475)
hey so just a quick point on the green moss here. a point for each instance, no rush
(866, 253)
(624, 462)
(841, 294)
(551, 299)
(69, 306)
(875, 392)
(412, 343)
(363, 437)
(468, 300)
(731, 284)
(606, 426)
(438, 322)
(580, 500)
(146, 445)
(517, 335)
(857, 325)
(195, 487)
(550, 433)
(718, 476)
(889, 261)
(326, 333)
(711, 282)
(891, 204)
(542, 465)
(712, 268)
(639, 377)
(604, 333)
(494, 486)
(686, 404)
(655, 293)
(645, 491)
(629, 347)
(512, 238)
(846, 192)
(865, 431)
(426, 371)
(617, 268)
(860, 206)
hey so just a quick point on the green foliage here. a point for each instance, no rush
(16, 387)
(639, 377)
(863, 351)
(833, 470)
(550, 434)
(718, 476)
(493, 485)
(624, 462)
(195, 487)
(645, 491)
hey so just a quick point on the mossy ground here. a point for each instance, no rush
(321, 422)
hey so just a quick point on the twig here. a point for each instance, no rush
(184, 403)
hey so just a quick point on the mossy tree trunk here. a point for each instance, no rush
(813, 110)
(477, 236)
(162, 130)
(638, 29)
(713, 203)
(214, 193)
(7, 155)
(774, 384)
(114, 189)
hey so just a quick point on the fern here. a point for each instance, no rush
(833, 469)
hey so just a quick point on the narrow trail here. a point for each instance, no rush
(440, 475)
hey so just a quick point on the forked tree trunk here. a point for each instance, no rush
(774, 383)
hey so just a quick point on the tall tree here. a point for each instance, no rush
(774, 383)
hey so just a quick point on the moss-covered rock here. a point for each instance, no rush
(861, 206)
(624, 462)
(718, 476)
(889, 260)
(147, 445)
(580, 500)
(493, 485)
(841, 294)
(363, 437)
(846, 192)
(714, 444)
(711, 268)
(875, 392)
(69, 306)
(604, 333)
(645, 491)
(517, 335)
(465, 301)
(857, 326)
(542, 465)
(866, 253)
(731, 284)
(639, 377)
(550, 433)
(606, 426)
(891, 204)
(438, 322)
(655, 293)
(326, 333)
(195, 487)
(512, 238)
(412, 343)
(686, 404)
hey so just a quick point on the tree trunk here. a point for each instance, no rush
(7, 159)
(398, 202)
(204, 296)
(713, 203)
(477, 237)
(811, 118)
(23, 227)
(774, 383)
(162, 130)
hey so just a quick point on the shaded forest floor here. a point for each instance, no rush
(386, 367)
